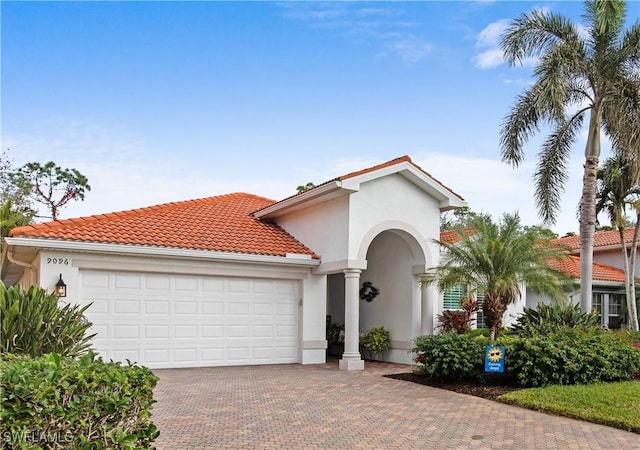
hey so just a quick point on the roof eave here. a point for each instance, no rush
(170, 252)
(319, 194)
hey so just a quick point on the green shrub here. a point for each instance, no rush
(545, 319)
(60, 402)
(376, 340)
(475, 332)
(34, 323)
(451, 356)
(571, 356)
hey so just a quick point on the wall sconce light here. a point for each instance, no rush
(61, 288)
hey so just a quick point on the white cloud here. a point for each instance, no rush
(490, 36)
(488, 59)
(489, 40)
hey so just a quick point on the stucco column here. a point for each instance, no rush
(351, 359)
(428, 307)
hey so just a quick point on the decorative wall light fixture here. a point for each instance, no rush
(61, 288)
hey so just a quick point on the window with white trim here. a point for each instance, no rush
(452, 297)
(608, 306)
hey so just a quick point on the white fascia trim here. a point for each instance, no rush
(296, 200)
(53, 244)
(445, 197)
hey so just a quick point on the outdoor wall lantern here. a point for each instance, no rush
(61, 288)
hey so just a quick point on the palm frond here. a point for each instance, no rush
(552, 169)
(532, 34)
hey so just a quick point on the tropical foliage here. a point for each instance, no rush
(545, 319)
(459, 320)
(581, 77)
(34, 323)
(498, 259)
(618, 190)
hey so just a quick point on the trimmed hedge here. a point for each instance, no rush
(85, 403)
(567, 356)
(450, 356)
(571, 356)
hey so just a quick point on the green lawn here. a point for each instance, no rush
(613, 404)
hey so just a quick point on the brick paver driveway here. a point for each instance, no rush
(312, 407)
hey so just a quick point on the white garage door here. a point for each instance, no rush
(163, 321)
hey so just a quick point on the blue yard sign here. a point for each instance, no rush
(494, 359)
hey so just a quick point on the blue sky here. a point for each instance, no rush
(166, 101)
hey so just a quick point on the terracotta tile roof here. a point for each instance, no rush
(570, 265)
(451, 236)
(222, 223)
(600, 239)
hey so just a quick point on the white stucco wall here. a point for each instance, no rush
(324, 228)
(393, 202)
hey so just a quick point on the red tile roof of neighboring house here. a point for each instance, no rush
(600, 239)
(570, 265)
(222, 223)
(451, 236)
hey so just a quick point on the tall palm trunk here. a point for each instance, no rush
(632, 306)
(588, 210)
(627, 265)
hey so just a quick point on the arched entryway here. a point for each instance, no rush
(395, 261)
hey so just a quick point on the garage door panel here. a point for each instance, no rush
(154, 306)
(186, 331)
(212, 331)
(213, 308)
(126, 306)
(127, 282)
(185, 307)
(184, 321)
(238, 309)
(157, 282)
(156, 356)
(239, 286)
(186, 284)
(186, 355)
(156, 332)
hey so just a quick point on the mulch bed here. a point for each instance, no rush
(488, 391)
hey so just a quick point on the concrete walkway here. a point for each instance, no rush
(320, 407)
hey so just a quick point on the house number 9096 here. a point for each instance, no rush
(63, 261)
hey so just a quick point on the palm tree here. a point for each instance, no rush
(617, 190)
(578, 77)
(497, 259)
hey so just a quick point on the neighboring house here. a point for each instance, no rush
(239, 279)
(608, 279)
(609, 299)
